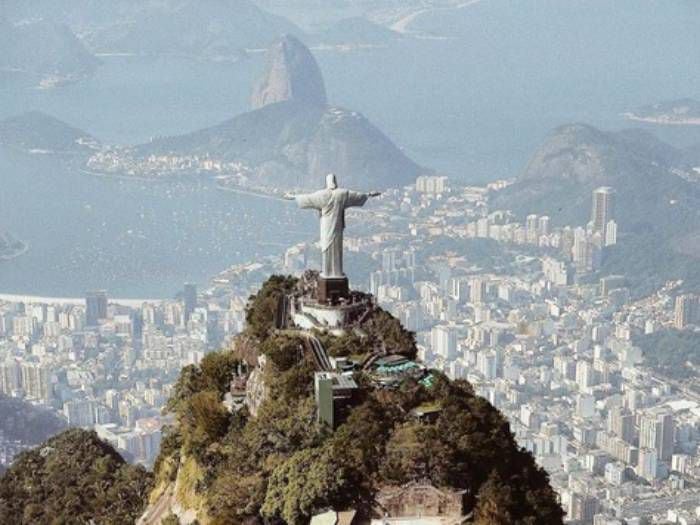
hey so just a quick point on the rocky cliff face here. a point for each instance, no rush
(292, 74)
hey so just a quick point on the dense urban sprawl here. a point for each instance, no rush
(520, 309)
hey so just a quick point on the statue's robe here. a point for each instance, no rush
(331, 205)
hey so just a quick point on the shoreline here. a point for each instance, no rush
(139, 178)
(190, 177)
(245, 191)
(75, 301)
(663, 120)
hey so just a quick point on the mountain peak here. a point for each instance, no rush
(292, 73)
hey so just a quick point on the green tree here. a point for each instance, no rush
(218, 369)
(414, 452)
(235, 498)
(310, 480)
(73, 478)
(393, 336)
(495, 501)
(190, 381)
(284, 351)
(205, 421)
(263, 306)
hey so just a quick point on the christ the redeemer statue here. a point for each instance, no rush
(331, 203)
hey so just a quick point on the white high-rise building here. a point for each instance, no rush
(444, 341)
(656, 431)
(532, 229)
(585, 405)
(487, 364)
(647, 467)
(10, 376)
(36, 381)
(431, 184)
(585, 374)
(685, 311)
(610, 237)
(477, 291)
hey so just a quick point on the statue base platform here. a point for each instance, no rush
(316, 316)
(332, 289)
(310, 314)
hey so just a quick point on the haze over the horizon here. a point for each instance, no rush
(509, 325)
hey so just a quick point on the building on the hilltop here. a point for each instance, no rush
(419, 503)
(391, 370)
(335, 395)
(333, 517)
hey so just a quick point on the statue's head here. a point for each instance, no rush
(331, 182)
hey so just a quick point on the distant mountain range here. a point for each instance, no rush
(43, 53)
(293, 138)
(292, 75)
(215, 29)
(684, 111)
(317, 13)
(218, 29)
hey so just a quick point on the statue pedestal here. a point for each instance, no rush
(332, 289)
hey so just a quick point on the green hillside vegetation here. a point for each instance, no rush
(74, 478)
(294, 144)
(649, 261)
(674, 353)
(22, 421)
(37, 130)
(656, 204)
(283, 466)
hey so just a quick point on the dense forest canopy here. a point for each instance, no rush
(73, 478)
(283, 465)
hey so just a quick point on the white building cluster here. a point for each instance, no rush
(514, 306)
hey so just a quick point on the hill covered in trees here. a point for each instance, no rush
(22, 421)
(657, 199)
(268, 459)
(72, 478)
(281, 465)
(292, 138)
(673, 353)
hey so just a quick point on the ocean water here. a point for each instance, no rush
(472, 97)
(135, 239)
